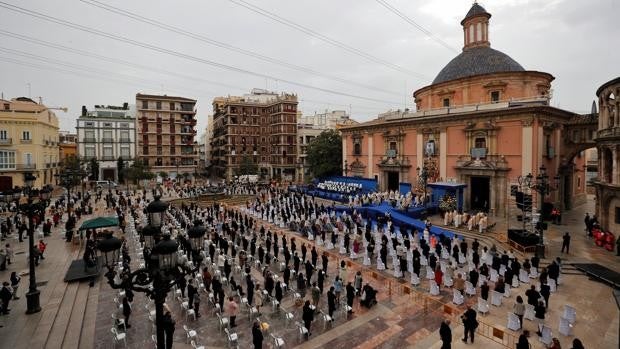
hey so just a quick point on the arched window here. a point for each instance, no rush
(357, 149)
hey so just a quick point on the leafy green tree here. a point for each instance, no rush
(325, 154)
(139, 171)
(163, 174)
(247, 167)
(93, 168)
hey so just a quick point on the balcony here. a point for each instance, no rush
(107, 140)
(6, 141)
(89, 140)
(108, 158)
(26, 141)
(26, 166)
(609, 132)
(125, 140)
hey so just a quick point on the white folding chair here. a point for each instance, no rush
(303, 331)
(547, 335)
(469, 289)
(565, 327)
(529, 312)
(569, 313)
(496, 298)
(189, 334)
(493, 276)
(275, 305)
(483, 305)
(507, 291)
(120, 322)
(433, 288)
(222, 321)
(326, 319)
(523, 277)
(195, 346)
(278, 342)
(513, 322)
(457, 297)
(552, 285)
(118, 336)
(447, 281)
(533, 273)
(482, 280)
(430, 274)
(415, 280)
(233, 338)
(288, 317)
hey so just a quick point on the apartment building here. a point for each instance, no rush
(166, 133)
(28, 143)
(258, 128)
(309, 127)
(67, 145)
(106, 134)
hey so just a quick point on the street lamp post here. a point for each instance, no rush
(345, 168)
(161, 270)
(33, 304)
(423, 180)
(544, 187)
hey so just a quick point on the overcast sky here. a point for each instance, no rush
(576, 41)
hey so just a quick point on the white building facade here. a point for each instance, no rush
(106, 134)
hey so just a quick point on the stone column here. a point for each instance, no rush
(443, 156)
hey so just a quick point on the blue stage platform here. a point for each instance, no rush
(399, 220)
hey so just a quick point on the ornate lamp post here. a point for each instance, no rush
(31, 208)
(423, 179)
(157, 278)
(544, 187)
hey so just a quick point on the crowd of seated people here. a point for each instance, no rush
(393, 197)
(340, 187)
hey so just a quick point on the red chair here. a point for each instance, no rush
(610, 241)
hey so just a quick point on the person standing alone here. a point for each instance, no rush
(445, 333)
(470, 324)
(566, 242)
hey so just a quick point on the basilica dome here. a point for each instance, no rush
(477, 61)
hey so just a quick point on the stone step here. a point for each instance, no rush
(87, 339)
(63, 315)
(73, 331)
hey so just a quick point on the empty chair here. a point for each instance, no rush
(529, 312)
(481, 280)
(457, 297)
(303, 331)
(565, 326)
(288, 317)
(547, 335)
(552, 285)
(252, 311)
(423, 261)
(493, 275)
(223, 322)
(278, 342)
(275, 305)
(447, 281)
(496, 298)
(513, 322)
(470, 290)
(515, 283)
(433, 288)
(189, 312)
(507, 292)
(326, 319)
(533, 273)
(569, 314)
(189, 334)
(523, 277)
(430, 274)
(195, 346)
(502, 270)
(232, 338)
(118, 336)
(415, 280)
(118, 322)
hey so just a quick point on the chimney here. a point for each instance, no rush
(84, 110)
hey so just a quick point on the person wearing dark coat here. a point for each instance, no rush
(350, 296)
(250, 290)
(532, 296)
(191, 292)
(126, 311)
(279, 292)
(307, 316)
(287, 275)
(169, 327)
(484, 291)
(331, 301)
(545, 292)
(5, 296)
(445, 333)
(470, 323)
(257, 336)
(473, 277)
(523, 343)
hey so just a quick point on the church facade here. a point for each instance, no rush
(485, 121)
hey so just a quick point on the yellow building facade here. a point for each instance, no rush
(28, 143)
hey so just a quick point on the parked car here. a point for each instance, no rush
(105, 185)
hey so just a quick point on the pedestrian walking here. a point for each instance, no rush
(15, 284)
(523, 342)
(566, 242)
(445, 333)
(257, 335)
(470, 323)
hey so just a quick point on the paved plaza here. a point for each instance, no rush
(75, 315)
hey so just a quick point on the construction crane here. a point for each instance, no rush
(65, 109)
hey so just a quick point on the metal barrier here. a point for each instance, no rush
(497, 334)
